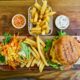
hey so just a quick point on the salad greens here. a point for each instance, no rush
(25, 49)
(48, 43)
(2, 59)
(53, 65)
(7, 38)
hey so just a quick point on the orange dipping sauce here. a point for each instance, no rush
(19, 21)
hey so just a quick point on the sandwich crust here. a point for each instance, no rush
(65, 50)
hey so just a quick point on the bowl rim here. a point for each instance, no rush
(23, 18)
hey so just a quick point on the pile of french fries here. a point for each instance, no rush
(40, 18)
(37, 54)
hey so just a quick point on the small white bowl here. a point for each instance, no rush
(62, 22)
(18, 26)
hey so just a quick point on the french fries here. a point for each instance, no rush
(33, 63)
(50, 14)
(36, 17)
(33, 53)
(37, 53)
(37, 6)
(37, 32)
(42, 43)
(40, 52)
(40, 14)
(33, 10)
(30, 42)
(41, 67)
(48, 9)
(44, 6)
(38, 63)
(29, 62)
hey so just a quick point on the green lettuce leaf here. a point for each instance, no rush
(26, 49)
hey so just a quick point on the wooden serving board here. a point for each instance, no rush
(70, 8)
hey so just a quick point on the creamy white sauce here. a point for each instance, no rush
(62, 22)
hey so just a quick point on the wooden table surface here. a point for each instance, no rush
(8, 9)
(70, 8)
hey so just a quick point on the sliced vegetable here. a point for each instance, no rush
(26, 49)
(22, 53)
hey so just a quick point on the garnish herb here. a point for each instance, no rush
(7, 38)
(2, 59)
(61, 33)
(48, 43)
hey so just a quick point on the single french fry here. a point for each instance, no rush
(48, 10)
(33, 53)
(29, 62)
(23, 63)
(38, 63)
(36, 52)
(31, 20)
(44, 27)
(50, 14)
(42, 42)
(30, 42)
(43, 32)
(36, 29)
(40, 52)
(36, 17)
(33, 10)
(42, 23)
(47, 30)
(44, 6)
(37, 6)
(47, 19)
(41, 67)
(33, 63)
(36, 32)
